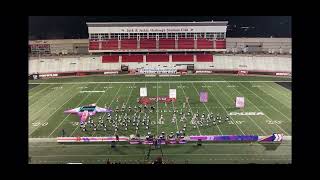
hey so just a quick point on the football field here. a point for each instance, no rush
(267, 110)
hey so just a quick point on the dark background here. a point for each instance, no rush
(69, 27)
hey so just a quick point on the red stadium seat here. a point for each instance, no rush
(204, 44)
(182, 58)
(204, 58)
(166, 43)
(157, 58)
(93, 45)
(109, 44)
(147, 44)
(132, 58)
(220, 44)
(110, 59)
(186, 44)
(128, 44)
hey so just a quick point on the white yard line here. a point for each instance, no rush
(54, 99)
(130, 93)
(209, 111)
(47, 95)
(265, 114)
(53, 113)
(173, 109)
(157, 110)
(189, 107)
(279, 91)
(129, 98)
(145, 85)
(112, 102)
(126, 104)
(70, 114)
(283, 89)
(141, 82)
(277, 99)
(247, 116)
(288, 97)
(38, 91)
(266, 102)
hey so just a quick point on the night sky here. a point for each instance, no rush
(59, 27)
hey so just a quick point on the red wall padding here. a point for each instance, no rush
(109, 44)
(186, 44)
(220, 44)
(204, 44)
(157, 58)
(147, 44)
(128, 44)
(81, 74)
(132, 58)
(204, 58)
(182, 58)
(166, 43)
(110, 59)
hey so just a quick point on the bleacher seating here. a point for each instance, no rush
(182, 58)
(204, 58)
(132, 58)
(110, 59)
(163, 44)
(157, 58)
(128, 44)
(94, 45)
(220, 44)
(204, 44)
(186, 44)
(109, 44)
(166, 43)
(147, 44)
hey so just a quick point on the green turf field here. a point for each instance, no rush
(49, 98)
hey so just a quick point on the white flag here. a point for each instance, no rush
(172, 93)
(240, 102)
(143, 92)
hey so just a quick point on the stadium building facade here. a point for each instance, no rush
(160, 48)
(157, 37)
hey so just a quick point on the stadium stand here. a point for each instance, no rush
(147, 44)
(94, 45)
(109, 44)
(157, 58)
(174, 47)
(204, 44)
(110, 59)
(220, 44)
(186, 43)
(182, 58)
(166, 43)
(204, 57)
(132, 58)
(128, 44)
